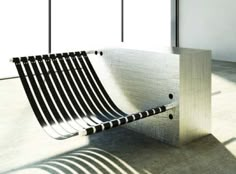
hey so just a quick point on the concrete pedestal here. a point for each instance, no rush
(137, 80)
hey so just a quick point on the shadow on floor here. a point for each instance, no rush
(231, 140)
(124, 151)
(226, 70)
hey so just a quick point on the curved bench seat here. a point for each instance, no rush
(68, 98)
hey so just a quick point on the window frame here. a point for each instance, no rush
(174, 26)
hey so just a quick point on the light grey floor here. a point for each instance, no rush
(25, 148)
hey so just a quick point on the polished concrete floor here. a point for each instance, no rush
(25, 148)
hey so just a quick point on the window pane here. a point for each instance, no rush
(82, 24)
(147, 22)
(23, 31)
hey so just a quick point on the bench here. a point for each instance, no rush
(72, 94)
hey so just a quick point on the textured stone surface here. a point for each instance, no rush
(138, 80)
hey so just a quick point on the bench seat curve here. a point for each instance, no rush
(68, 97)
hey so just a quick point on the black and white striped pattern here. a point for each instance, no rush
(67, 96)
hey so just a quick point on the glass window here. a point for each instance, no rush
(23, 31)
(78, 25)
(147, 22)
(82, 24)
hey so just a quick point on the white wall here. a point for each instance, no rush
(209, 24)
